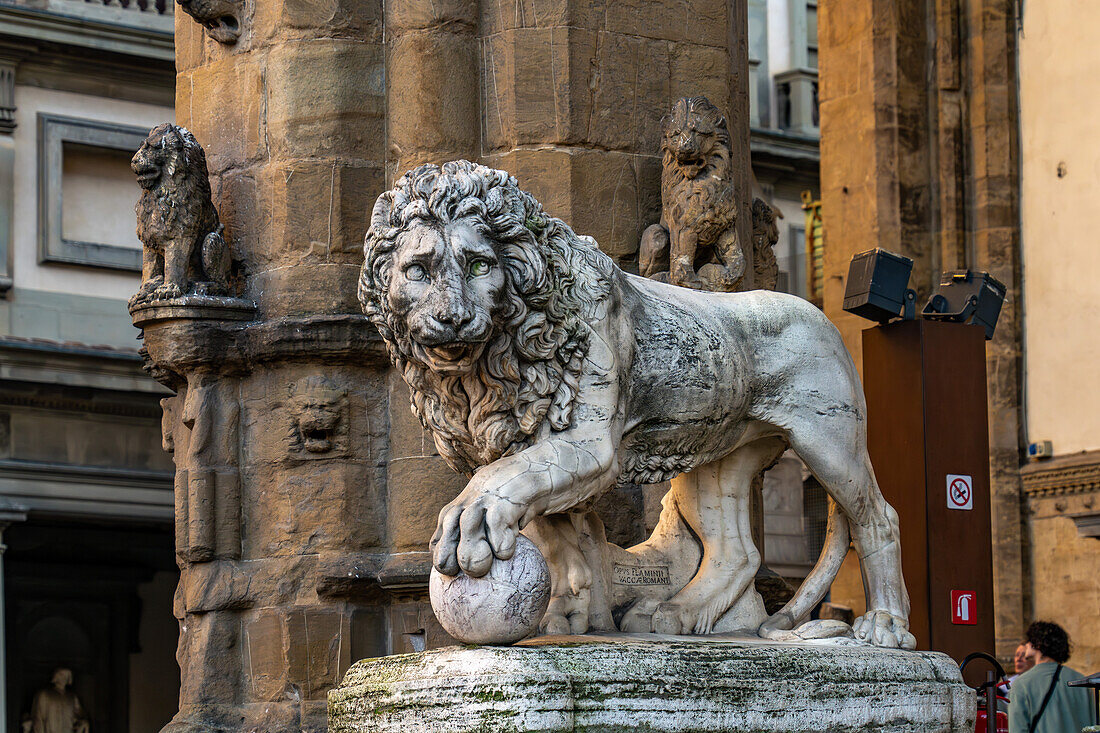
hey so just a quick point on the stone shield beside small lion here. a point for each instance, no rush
(546, 375)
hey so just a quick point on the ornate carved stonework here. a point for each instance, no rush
(183, 251)
(220, 18)
(547, 375)
(318, 419)
(695, 245)
(765, 234)
(1078, 474)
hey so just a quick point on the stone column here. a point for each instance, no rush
(280, 424)
(306, 492)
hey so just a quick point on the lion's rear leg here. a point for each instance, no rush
(836, 453)
(715, 501)
(570, 576)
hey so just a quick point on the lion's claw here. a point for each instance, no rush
(884, 629)
(167, 291)
(567, 614)
(472, 530)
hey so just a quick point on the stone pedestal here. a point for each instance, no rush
(631, 683)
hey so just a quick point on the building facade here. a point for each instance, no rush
(88, 569)
(951, 134)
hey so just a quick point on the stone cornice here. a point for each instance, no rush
(90, 33)
(1076, 474)
(72, 365)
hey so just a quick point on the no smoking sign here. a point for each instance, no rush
(960, 491)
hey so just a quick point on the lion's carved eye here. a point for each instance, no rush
(480, 267)
(415, 273)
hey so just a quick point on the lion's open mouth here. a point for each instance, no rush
(146, 177)
(456, 356)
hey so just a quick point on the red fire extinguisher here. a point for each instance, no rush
(989, 702)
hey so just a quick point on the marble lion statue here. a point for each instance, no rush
(179, 228)
(698, 227)
(546, 375)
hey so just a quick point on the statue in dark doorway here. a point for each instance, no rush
(57, 709)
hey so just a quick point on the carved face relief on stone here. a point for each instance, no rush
(318, 418)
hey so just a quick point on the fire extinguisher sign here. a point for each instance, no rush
(964, 607)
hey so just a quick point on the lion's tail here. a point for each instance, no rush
(817, 583)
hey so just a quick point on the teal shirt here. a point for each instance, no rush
(1070, 708)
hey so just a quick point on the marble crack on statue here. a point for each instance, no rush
(546, 375)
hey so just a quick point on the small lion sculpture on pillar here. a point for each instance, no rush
(546, 375)
(183, 250)
(695, 245)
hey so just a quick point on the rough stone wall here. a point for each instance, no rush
(925, 164)
(293, 120)
(573, 93)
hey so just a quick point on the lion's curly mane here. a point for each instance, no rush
(706, 200)
(555, 282)
(181, 198)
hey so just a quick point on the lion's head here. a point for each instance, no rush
(317, 415)
(483, 300)
(168, 154)
(696, 140)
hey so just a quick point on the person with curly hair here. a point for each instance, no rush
(1040, 699)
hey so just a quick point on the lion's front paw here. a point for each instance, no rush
(472, 530)
(885, 629)
(167, 291)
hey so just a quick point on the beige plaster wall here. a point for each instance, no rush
(1060, 141)
(28, 273)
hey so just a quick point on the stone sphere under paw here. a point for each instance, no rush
(502, 607)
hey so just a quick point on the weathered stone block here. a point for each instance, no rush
(594, 684)
(313, 650)
(268, 674)
(456, 15)
(418, 488)
(698, 21)
(222, 102)
(630, 93)
(305, 212)
(326, 98)
(535, 87)
(696, 70)
(497, 17)
(433, 109)
(322, 508)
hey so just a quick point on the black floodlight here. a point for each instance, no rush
(967, 297)
(878, 286)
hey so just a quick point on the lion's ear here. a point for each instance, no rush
(383, 207)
